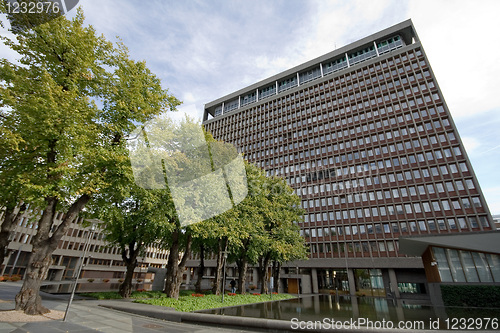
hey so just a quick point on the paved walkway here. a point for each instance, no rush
(87, 316)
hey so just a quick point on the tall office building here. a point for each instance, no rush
(364, 136)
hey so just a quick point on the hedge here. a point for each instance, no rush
(471, 296)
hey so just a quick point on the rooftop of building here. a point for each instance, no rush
(481, 241)
(336, 61)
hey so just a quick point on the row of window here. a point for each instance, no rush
(321, 122)
(358, 184)
(320, 167)
(364, 196)
(466, 266)
(373, 248)
(389, 229)
(241, 119)
(347, 135)
(313, 73)
(443, 205)
(410, 84)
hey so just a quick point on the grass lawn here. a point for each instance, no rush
(116, 295)
(188, 303)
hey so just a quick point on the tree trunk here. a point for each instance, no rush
(28, 298)
(175, 268)
(201, 269)
(10, 220)
(218, 272)
(131, 262)
(242, 274)
(276, 275)
(264, 274)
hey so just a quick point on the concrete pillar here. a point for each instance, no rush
(255, 277)
(355, 307)
(314, 278)
(159, 280)
(188, 275)
(352, 283)
(393, 281)
(6, 261)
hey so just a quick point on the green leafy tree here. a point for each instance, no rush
(70, 103)
(226, 230)
(134, 222)
(250, 217)
(281, 241)
(260, 229)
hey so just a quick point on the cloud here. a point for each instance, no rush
(457, 39)
(492, 195)
(471, 144)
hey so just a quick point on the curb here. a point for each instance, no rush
(169, 314)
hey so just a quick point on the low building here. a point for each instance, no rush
(472, 258)
(103, 267)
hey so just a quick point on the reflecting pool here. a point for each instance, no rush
(318, 307)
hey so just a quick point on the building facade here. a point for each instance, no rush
(364, 136)
(103, 268)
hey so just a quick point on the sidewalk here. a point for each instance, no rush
(88, 316)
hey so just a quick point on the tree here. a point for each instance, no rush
(261, 228)
(250, 215)
(134, 222)
(282, 241)
(176, 160)
(70, 102)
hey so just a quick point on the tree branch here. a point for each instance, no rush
(187, 253)
(70, 217)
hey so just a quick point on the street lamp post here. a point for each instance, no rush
(80, 266)
(224, 274)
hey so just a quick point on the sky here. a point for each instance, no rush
(205, 49)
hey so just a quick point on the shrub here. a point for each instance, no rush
(105, 280)
(256, 294)
(198, 295)
(90, 280)
(103, 295)
(231, 294)
(252, 287)
(15, 278)
(471, 296)
(3, 278)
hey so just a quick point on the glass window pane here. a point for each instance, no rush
(494, 261)
(442, 263)
(483, 269)
(469, 267)
(455, 265)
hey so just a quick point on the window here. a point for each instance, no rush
(422, 226)
(476, 202)
(466, 203)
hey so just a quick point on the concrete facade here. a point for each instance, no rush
(364, 136)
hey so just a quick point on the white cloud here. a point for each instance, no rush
(492, 195)
(189, 110)
(457, 37)
(471, 144)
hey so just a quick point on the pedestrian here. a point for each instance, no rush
(233, 286)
